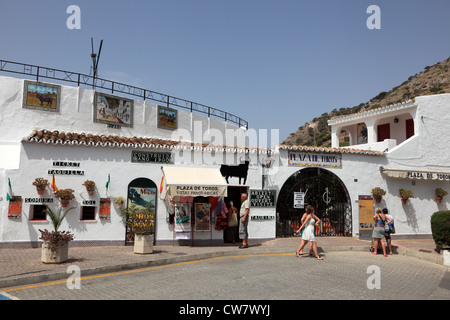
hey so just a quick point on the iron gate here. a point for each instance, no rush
(325, 192)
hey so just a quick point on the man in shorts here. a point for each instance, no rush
(244, 216)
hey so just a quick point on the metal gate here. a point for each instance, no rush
(325, 192)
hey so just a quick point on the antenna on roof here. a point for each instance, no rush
(95, 59)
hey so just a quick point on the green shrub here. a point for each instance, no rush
(440, 228)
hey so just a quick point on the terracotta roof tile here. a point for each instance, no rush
(89, 139)
(332, 150)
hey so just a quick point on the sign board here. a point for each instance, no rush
(151, 157)
(299, 200)
(312, 159)
(262, 198)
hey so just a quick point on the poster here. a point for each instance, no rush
(182, 217)
(15, 207)
(41, 96)
(145, 199)
(105, 209)
(202, 216)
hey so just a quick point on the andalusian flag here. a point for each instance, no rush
(107, 182)
(53, 184)
(9, 193)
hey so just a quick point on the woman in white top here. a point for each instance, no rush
(308, 235)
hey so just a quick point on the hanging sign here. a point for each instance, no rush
(299, 200)
(15, 207)
(312, 159)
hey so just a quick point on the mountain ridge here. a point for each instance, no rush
(433, 79)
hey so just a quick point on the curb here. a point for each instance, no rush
(57, 276)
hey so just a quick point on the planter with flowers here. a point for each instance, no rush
(65, 195)
(90, 187)
(119, 201)
(378, 193)
(55, 248)
(406, 194)
(140, 221)
(440, 193)
(40, 184)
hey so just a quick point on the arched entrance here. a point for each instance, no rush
(143, 193)
(325, 192)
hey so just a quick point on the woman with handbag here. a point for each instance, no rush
(233, 221)
(378, 232)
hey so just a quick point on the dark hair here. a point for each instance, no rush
(309, 209)
(385, 210)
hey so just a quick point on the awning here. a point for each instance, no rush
(194, 182)
(416, 174)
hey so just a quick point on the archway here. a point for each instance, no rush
(325, 192)
(143, 193)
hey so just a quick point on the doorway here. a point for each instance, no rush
(142, 192)
(234, 195)
(325, 192)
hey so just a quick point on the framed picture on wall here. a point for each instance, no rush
(167, 118)
(202, 216)
(41, 96)
(113, 110)
(182, 217)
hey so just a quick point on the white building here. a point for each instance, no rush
(71, 137)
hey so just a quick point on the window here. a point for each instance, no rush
(87, 213)
(38, 212)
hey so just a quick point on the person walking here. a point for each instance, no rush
(379, 230)
(308, 234)
(310, 246)
(388, 230)
(244, 216)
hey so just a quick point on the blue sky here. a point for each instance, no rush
(277, 64)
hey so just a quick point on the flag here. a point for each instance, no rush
(107, 183)
(53, 184)
(161, 185)
(9, 193)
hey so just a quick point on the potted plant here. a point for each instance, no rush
(140, 222)
(40, 184)
(119, 201)
(406, 194)
(90, 187)
(440, 193)
(378, 193)
(65, 195)
(55, 247)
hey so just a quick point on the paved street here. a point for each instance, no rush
(341, 275)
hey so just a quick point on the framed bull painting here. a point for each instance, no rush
(167, 118)
(41, 96)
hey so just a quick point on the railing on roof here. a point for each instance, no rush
(112, 86)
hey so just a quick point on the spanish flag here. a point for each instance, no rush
(53, 184)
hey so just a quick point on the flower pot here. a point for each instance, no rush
(438, 199)
(143, 243)
(40, 191)
(60, 255)
(65, 203)
(377, 199)
(404, 200)
(90, 190)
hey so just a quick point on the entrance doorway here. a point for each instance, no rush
(234, 195)
(142, 192)
(325, 192)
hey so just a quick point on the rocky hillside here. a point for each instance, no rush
(432, 80)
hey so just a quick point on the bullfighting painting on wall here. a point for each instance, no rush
(41, 96)
(113, 110)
